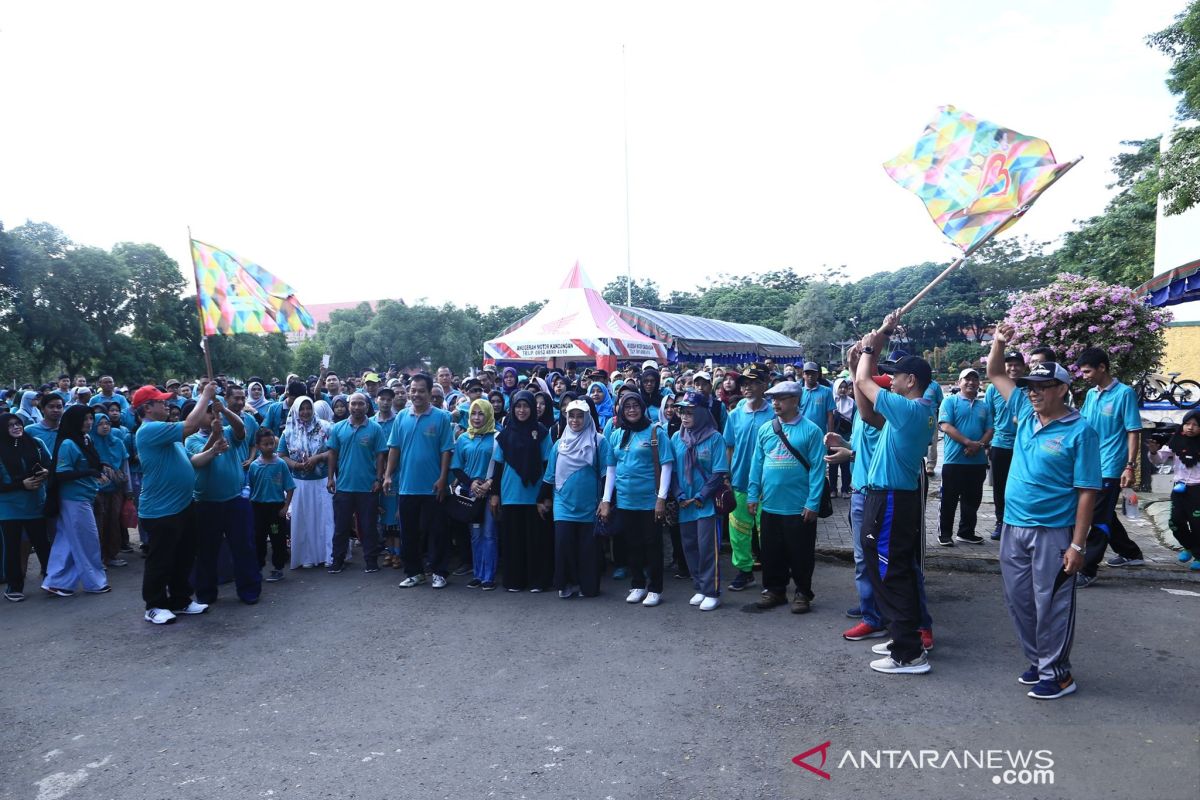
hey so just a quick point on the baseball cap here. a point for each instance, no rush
(149, 394)
(786, 388)
(172, 382)
(702, 376)
(882, 381)
(650, 364)
(811, 366)
(579, 405)
(1045, 372)
(472, 383)
(909, 365)
(489, 368)
(1014, 355)
(372, 377)
(386, 391)
(691, 400)
(968, 371)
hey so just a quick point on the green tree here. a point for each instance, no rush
(1180, 179)
(645, 293)
(813, 322)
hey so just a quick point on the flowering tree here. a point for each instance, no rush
(1076, 312)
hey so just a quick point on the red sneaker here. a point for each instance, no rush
(863, 631)
(926, 638)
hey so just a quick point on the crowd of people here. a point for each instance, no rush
(544, 481)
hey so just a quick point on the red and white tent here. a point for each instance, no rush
(576, 324)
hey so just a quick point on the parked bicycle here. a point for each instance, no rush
(1153, 387)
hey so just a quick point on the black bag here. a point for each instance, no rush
(464, 509)
(826, 509)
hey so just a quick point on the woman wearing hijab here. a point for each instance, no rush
(28, 411)
(730, 392)
(518, 464)
(701, 467)
(500, 403)
(844, 410)
(24, 468)
(1183, 451)
(643, 477)
(341, 408)
(509, 384)
(78, 474)
(579, 462)
(544, 409)
(470, 467)
(257, 401)
(560, 424)
(304, 447)
(602, 399)
(669, 419)
(111, 497)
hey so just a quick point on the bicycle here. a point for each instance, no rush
(1153, 387)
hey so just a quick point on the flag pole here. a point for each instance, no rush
(962, 259)
(199, 310)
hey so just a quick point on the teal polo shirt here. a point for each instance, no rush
(816, 404)
(778, 481)
(243, 447)
(1049, 463)
(741, 434)
(899, 457)
(22, 503)
(973, 418)
(97, 399)
(710, 454)
(70, 459)
(473, 455)
(357, 448)
(269, 481)
(579, 496)
(1003, 424)
(167, 474)
(637, 490)
(222, 478)
(1112, 413)
(421, 442)
(45, 435)
(863, 440)
(513, 491)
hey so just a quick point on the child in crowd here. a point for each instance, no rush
(1184, 447)
(271, 487)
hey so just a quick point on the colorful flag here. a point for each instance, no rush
(239, 296)
(973, 175)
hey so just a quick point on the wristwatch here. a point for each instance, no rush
(868, 350)
(1076, 548)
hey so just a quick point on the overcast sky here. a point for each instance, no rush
(473, 152)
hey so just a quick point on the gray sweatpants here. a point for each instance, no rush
(1040, 596)
(701, 548)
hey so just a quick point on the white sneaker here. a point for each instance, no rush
(696, 600)
(411, 581)
(883, 648)
(709, 603)
(652, 599)
(193, 608)
(636, 596)
(159, 616)
(438, 582)
(891, 666)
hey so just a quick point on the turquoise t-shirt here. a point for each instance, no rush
(47, 437)
(119, 399)
(816, 405)
(1112, 413)
(637, 489)
(22, 503)
(864, 439)
(473, 455)
(167, 474)
(1049, 463)
(711, 459)
(580, 495)
(513, 491)
(270, 481)
(935, 395)
(70, 459)
(222, 478)
(741, 434)
(272, 414)
(243, 447)
(778, 482)
(357, 450)
(899, 457)
(421, 442)
(973, 419)
(1002, 419)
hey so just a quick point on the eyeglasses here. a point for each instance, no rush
(1039, 388)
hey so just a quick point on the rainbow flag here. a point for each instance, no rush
(239, 296)
(975, 178)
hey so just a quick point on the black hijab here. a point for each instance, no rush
(1185, 448)
(71, 427)
(502, 414)
(625, 425)
(547, 416)
(521, 442)
(19, 455)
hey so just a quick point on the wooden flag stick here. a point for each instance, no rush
(199, 310)
(961, 260)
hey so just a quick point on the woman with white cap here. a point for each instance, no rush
(701, 468)
(579, 461)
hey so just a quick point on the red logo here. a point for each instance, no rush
(800, 762)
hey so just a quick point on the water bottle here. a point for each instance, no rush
(1130, 504)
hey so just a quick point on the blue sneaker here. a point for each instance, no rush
(1029, 677)
(996, 534)
(1052, 689)
(1194, 566)
(620, 574)
(1184, 556)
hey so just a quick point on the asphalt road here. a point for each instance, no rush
(348, 687)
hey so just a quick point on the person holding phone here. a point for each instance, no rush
(24, 468)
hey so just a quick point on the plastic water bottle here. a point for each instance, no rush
(1130, 503)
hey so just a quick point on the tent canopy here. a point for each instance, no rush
(577, 324)
(691, 338)
(1180, 285)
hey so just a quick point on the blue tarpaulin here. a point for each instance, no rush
(689, 338)
(1180, 285)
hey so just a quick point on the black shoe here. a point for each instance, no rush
(463, 569)
(371, 567)
(945, 542)
(475, 583)
(972, 538)
(742, 580)
(854, 613)
(335, 568)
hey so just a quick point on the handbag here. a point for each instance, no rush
(726, 501)
(129, 514)
(463, 508)
(826, 509)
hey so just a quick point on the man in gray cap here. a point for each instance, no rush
(787, 477)
(817, 403)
